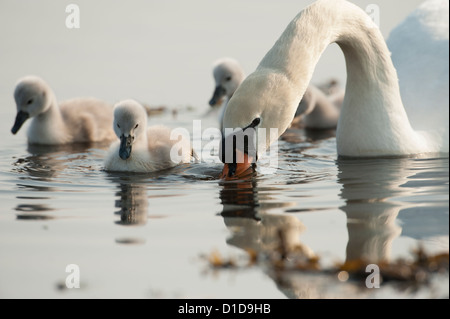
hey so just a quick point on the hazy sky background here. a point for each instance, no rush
(159, 52)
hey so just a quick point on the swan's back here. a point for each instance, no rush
(88, 120)
(160, 146)
(420, 53)
(80, 120)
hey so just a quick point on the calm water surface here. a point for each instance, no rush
(143, 236)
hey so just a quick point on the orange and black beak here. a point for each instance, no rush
(241, 168)
(238, 152)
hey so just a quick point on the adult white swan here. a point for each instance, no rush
(373, 121)
(420, 53)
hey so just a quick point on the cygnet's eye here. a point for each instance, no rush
(228, 78)
(136, 126)
(29, 101)
(118, 125)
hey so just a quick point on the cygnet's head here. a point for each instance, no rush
(228, 75)
(33, 97)
(130, 122)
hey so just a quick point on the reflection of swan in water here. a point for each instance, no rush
(367, 187)
(45, 162)
(255, 230)
(44, 171)
(133, 204)
(370, 189)
(33, 212)
(252, 228)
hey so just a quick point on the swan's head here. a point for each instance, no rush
(264, 103)
(238, 150)
(130, 123)
(33, 97)
(228, 75)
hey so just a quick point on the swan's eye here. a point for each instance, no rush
(136, 126)
(228, 78)
(254, 123)
(29, 101)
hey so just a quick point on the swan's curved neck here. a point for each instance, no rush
(52, 116)
(325, 22)
(142, 138)
(53, 111)
(372, 84)
(49, 127)
(300, 47)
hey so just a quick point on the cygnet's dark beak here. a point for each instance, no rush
(218, 95)
(125, 146)
(21, 117)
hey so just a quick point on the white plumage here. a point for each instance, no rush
(373, 120)
(420, 53)
(80, 120)
(316, 110)
(143, 149)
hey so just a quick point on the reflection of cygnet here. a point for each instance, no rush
(264, 236)
(79, 120)
(143, 149)
(133, 204)
(317, 110)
